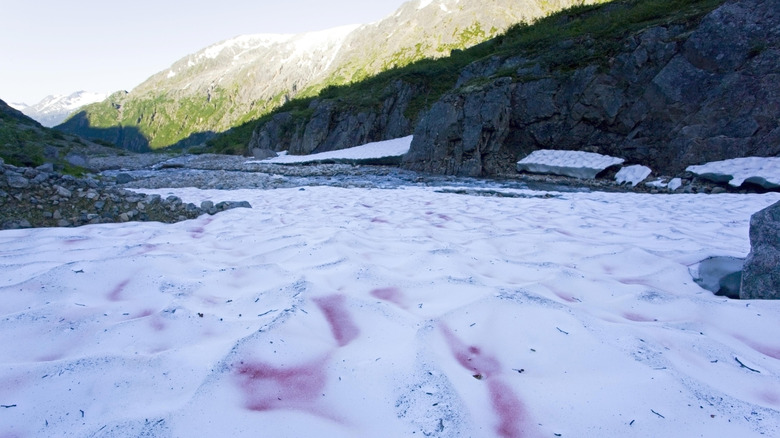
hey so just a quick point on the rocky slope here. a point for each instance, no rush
(238, 80)
(674, 96)
(25, 142)
(659, 82)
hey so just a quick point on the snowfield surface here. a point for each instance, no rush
(337, 312)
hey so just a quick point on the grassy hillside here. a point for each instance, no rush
(25, 143)
(564, 41)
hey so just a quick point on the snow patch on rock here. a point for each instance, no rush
(632, 174)
(577, 164)
(387, 149)
(763, 171)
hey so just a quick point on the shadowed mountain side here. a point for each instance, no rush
(127, 137)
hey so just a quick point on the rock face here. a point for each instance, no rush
(761, 274)
(672, 98)
(330, 128)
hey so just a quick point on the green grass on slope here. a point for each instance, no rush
(595, 32)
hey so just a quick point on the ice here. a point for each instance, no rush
(325, 311)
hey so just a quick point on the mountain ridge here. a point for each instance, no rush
(217, 94)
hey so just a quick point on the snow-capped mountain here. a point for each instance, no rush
(53, 110)
(234, 81)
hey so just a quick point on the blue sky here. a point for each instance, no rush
(58, 47)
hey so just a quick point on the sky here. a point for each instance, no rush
(54, 47)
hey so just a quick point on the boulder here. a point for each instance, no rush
(761, 274)
(263, 154)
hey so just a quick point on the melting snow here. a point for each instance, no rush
(632, 174)
(382, 149)
(569, 163)
(764, 171)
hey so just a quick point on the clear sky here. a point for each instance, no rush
(59, 47)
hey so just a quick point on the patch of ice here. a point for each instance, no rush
(763, 171)
(632, 174)
(577, 164)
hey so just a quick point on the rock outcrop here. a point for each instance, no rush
(761, 274)
(673, 97)
(331, 127)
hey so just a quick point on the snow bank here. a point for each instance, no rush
(576, 164)
(763, 171)
(632, 174)
(371, 152)
(407, 312)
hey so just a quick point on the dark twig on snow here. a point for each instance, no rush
(742, 365)
(656, 413)
(564, 332)
(7, 406)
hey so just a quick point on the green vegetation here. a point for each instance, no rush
(564, 41)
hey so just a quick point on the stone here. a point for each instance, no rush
(62, 191)
(17, 181)
(46, 167)
(206, 205)
(124, 178)
(263, 154)
(761, 274)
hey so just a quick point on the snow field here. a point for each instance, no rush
(355, 312)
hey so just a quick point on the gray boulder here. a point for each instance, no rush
(263, 154)
(761, 275)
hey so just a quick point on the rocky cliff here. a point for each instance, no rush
(676, 87)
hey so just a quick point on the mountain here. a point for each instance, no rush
(53, 110)
(238, 80)
(25, 142)
(664, 83)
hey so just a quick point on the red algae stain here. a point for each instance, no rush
(471, 357)
(390, 294)
(510, 410)
(771, 398)
(341, 324)
(116, 293)
(566, 297)
(511, 413)
(773, 352)
(267, 387)
(636, 317)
